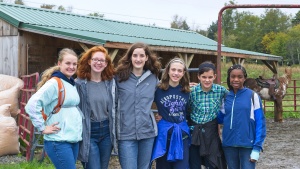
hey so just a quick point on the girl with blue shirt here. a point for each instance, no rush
(244, 126)
(62, 131)
(171, 148)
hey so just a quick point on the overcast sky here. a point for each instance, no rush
(198, 13)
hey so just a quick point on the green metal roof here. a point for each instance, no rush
(99, 30)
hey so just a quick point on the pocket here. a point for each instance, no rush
(198, 107)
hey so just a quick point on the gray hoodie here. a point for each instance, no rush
(134, 118)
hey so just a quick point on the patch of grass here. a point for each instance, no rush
(28, 165)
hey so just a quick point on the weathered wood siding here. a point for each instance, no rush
(38, 52)
(8, 49)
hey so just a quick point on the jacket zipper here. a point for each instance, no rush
(232, 112)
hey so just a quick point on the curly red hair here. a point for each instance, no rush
(84, 69)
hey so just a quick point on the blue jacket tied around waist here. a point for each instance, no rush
(176, 143)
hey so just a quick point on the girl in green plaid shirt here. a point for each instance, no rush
(205, 101)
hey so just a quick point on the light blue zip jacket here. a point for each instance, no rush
(243, 120)
(69, 116)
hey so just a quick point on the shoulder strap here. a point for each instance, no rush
(61, 97)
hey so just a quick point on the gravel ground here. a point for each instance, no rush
(11, 159)
(281, 148)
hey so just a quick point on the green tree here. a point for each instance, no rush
(228, 19)
(201, 32)
(245, 32)
(47, 6)
(19, 2)
(96, 14)
(279, 45)
(179, 23)
(293, 44)
(296, 19)
(274, 20)
(61, 8)
(212, 31)
(267, 40)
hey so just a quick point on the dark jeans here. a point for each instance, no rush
(162, 163)
(238, 158)
(62, 154)
(100, 146)
(196, 160)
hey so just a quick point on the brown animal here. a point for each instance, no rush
(273, 89)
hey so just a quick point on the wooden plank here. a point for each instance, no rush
(180, 56)
(83, 46)
(271, 66)
(9, 55)
(8, 29)
(113, 54)
(189, 61)
(1, 27)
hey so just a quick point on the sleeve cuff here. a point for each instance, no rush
(42, 128)
(257, 148)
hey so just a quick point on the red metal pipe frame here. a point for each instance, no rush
(241, 6)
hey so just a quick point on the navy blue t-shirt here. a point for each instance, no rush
(172, 103)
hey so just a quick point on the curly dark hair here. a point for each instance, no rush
(237, 66)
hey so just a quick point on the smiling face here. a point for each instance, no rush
(237, 79)
(138, 58)
(68, 65)
(98, 62)
(176, 72)
(206, 80)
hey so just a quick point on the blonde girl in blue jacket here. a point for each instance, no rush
(62, 131)
(244, 127)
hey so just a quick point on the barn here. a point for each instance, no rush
(30, 39)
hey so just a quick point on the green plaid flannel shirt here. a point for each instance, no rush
(204, 106)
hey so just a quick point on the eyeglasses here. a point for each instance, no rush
(98, 60)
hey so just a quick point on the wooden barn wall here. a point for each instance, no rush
(39, 52)
(165, 57)
(8, 49)
(7, 29)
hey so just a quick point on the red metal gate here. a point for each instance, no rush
(26, 129)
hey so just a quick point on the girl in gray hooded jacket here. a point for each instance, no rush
(136, 81)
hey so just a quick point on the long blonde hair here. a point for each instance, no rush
(48, 72)
(184, 81)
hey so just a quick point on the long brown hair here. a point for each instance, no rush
(184, 81)
(48, 72)
(125, 65)
(84, 69)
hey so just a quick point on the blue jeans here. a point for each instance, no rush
(238, 158)
(162, 163)
(100, 146)
(62, 154)
(196, 160)
(135, 154)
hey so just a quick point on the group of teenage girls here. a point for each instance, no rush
(109, 109)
